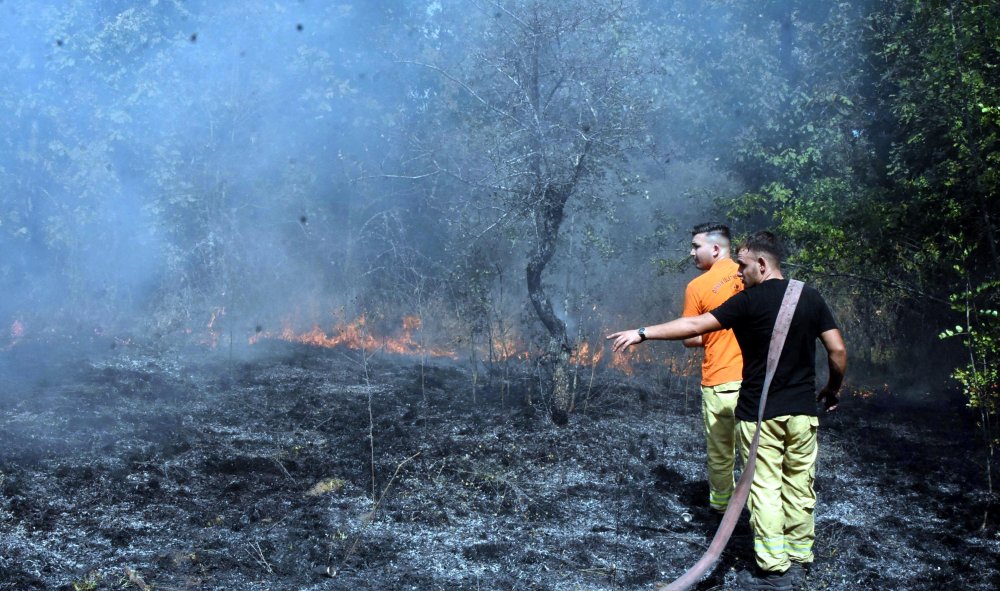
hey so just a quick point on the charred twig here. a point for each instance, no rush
(394, 474)
(324, 421)
(371, 443)
(496, 481)
(258, 556)
(136, 580)
(283, 469)
(363, 362)
(277, 523)
(370, 517)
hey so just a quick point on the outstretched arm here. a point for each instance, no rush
(836, 353)
(675, 330)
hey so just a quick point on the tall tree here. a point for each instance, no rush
(542, 109)
(897, 147)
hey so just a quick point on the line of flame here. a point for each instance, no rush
(355, 335)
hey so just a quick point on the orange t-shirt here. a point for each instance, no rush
(723, 358)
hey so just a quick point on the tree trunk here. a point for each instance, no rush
(548, 218)
(548, 212)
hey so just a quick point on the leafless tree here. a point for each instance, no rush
(543, 110)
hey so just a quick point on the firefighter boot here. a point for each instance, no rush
(764, 581)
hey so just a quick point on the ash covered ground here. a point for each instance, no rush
(313, 469)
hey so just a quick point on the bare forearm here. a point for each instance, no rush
(675, 330)
(836, 354)
(680, 329)
(837, 361)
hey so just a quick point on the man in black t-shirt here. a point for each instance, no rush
(782, 498)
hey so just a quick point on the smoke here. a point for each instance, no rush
(166, 162)
(176, 145)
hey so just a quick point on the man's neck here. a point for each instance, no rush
(719, 260)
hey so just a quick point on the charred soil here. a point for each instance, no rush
(321, 469)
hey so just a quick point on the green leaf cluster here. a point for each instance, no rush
(883, 174)
(979, 376)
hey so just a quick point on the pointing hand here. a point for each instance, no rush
(624, 339)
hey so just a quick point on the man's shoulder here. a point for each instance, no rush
(725, 281)
(696, 286)
(812, 291)
(814, 297)
(766, 294)
(722, 272)
(811, 294)
(732, 308)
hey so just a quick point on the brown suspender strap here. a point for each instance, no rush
(742, 490)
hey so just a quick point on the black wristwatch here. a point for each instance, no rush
(642, 334)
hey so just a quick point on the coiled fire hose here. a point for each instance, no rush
(742, 490)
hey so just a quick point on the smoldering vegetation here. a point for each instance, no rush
(265, 321)
(320, 468)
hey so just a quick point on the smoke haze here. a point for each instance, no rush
(166, 164)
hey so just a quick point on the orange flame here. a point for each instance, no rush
(355, 335)
(212, 338)
(623, 363)
(583, 356)
(683, 365)
(505, 349)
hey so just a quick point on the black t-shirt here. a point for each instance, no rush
(751, 314)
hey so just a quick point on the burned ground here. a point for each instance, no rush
(137, 467)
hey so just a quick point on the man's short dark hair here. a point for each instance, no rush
(764, 242)
(712, 228)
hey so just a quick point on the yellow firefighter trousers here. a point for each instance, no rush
(718, 403)
(782, 498)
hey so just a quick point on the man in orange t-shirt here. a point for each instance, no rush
(722, 368)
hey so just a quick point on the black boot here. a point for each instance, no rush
(764, 581)
(798, 573)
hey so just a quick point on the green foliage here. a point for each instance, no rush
(884, 177)
(942, 63)
(980, 336)
(979, 376)
(89, 583)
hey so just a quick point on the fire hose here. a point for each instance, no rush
(742, 490)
